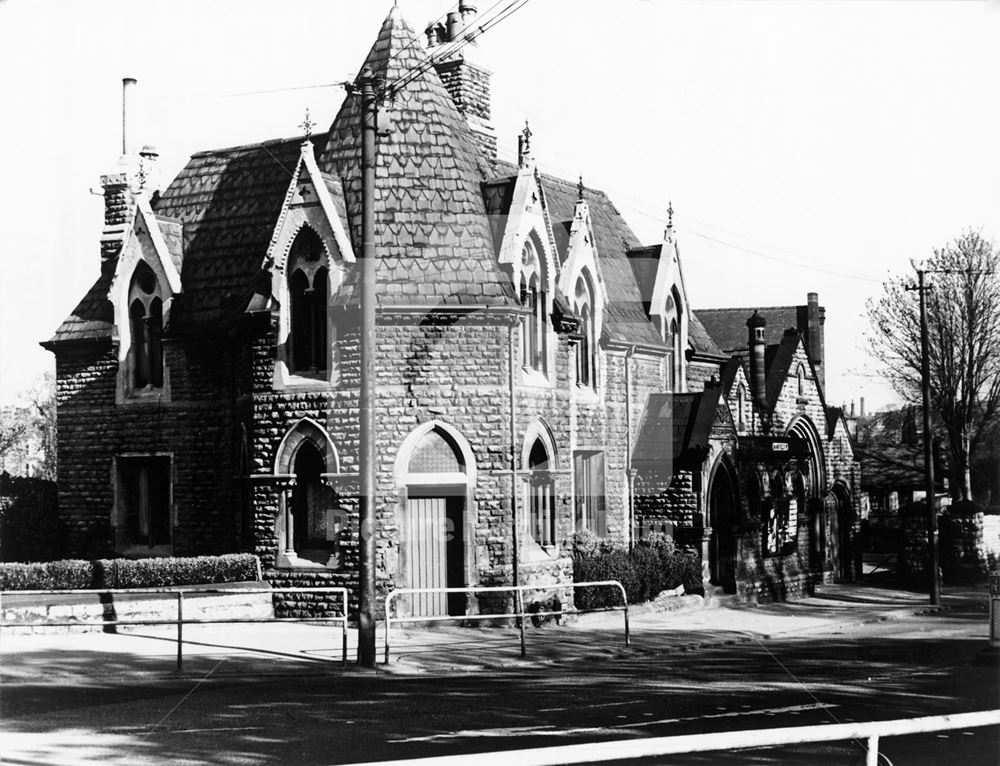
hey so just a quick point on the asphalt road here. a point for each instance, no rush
(898, 669)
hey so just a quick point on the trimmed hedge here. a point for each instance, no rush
(130, 573)
(653, 565)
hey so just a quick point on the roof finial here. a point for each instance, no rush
(524, 144)
(307, 125)
(580, 189)
(670, 214)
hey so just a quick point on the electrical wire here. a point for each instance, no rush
(443, 52)
(659, 219)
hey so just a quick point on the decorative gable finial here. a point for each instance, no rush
(668, 234)
(307, 125)
(580, 189)
(524, 145)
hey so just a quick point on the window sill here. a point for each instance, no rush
(586, 394)
(535, 553)
(292, 561)
(534, 378)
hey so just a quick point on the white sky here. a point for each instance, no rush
(843, 137)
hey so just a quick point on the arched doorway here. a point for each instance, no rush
(434, 533)
(841, 521)
(722, 518)
(809, 491)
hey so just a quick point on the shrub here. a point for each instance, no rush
(55, 575)
(126, 573)
(653, 565)
(164, 572)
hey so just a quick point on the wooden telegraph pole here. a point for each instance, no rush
(925, 386)
(366, 459)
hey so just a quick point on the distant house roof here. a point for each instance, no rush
(899, 467)
(728, 326)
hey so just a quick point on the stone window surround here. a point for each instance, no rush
(531, 550)
(118, 510)
(533, 269)
(125, 389)
(306, 429)
(284, 378)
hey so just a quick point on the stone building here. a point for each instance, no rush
(538, 369)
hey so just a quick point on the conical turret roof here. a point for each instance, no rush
(432, 234)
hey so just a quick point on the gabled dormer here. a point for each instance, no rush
(582, 284)
(306, 259)
(145, 253)
(527, 253)
(660, 278)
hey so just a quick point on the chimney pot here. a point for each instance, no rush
(454, 25)
(128, 84)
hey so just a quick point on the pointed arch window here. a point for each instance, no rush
(308, 290)
(541, 517)
(800, 375)
(534, 329)
(741, 397)
(586, 354)
(671, 333)
(145, 314)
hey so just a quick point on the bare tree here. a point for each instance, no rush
(28, 430)
(963, 319)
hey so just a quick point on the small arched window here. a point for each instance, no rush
(534, 331)
(316, 520)
(542, 498)
(146, 329)
(586, 357)
(800, 374)
(308, 280)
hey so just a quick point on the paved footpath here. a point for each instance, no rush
(267, 694)
(255, 649)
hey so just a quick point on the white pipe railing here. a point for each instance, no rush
(519, 614)
(620, 750)
(179, 620)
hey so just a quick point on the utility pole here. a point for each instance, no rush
(925, 386)
(366, 406)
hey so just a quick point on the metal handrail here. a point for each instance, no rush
(619, 750)
(179, 621)
(519, 613)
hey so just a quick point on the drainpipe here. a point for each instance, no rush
(628, 447)
(515, 538)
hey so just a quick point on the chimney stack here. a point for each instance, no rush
(758, 379)
(862, 413)
(464, 76)
(815, 319)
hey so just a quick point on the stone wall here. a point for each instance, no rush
(191, 424)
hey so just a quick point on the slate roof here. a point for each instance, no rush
(228, 201)
(625, 318)
(92, 319)
(434, 242)
(436, 238)
(728, 326)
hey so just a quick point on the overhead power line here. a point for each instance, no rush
(485, 23)
(641, 207)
